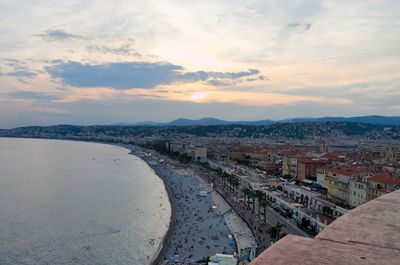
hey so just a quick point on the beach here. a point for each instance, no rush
(202, 223)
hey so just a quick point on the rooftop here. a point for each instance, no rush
(349, 171)
(385, 177)
(369, 234)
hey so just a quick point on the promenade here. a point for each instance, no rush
(255, 218)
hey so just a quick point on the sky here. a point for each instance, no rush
(103, 62)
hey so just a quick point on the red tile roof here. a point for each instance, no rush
(349, 171)
(384, 177)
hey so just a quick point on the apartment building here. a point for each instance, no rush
(358, 187)
(338, 181)
(307, 167)
(380, 184)
(200, 154)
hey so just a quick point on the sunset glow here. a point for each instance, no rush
(198, 95)
(282, 59)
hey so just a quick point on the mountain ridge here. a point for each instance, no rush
(371, 119)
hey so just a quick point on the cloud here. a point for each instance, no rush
(299, 27)
(21, 74)
(257, 78)
(233, 75)
(125, 49)
(215, 82)
(149, 96)
(129, 75)
(58, 35)
(14, 63)
(33, 95)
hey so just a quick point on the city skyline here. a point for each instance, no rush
(101, 63)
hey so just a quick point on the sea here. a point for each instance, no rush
(67, 202)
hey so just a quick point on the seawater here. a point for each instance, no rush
(66, 202)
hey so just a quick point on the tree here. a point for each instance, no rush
(244, 194)
(264, 204)
(326, 209)
(259, 195)
(224, 179)
(253, 195)
(275, 231)
(305, 222)
(248, 193)
(235, 184)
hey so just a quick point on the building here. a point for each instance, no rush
(286, 170)
(175, 147)
(358, 191)
(338, 180)
(380, 184)
(321, 173)
(307, 167)
(200, 154)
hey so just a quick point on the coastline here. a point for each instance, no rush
(119, 222)
(169, 173)
(163, 246)
(162, 249)
(176, 234)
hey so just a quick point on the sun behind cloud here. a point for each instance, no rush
(199, 95)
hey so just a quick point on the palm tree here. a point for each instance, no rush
(236, 183)
(278, 228)
(259, 195)
(219, 175)
(244, 194)
(230, 180)
(225, 176)
(248, 193)
(264, 204)
(253, 195)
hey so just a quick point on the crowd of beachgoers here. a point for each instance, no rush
(200, 230)
(199, 227)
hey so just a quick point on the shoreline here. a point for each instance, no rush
(163, 246)
(175, 242)
(134, 150)
(172, 170)
(162, 249)
(174, 233)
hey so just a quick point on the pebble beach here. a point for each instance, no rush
(201, 224)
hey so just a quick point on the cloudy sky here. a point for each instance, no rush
(101, 62)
